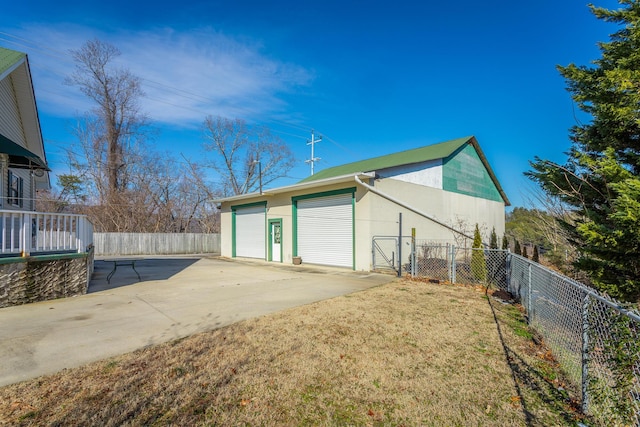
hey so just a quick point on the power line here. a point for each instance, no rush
(178, 91)
(185, 94)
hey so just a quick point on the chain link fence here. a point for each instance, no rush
(595, 339)
(450, 263)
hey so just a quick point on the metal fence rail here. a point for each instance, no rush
(594, 338)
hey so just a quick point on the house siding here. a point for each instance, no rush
(464, 173)
(427, 173)
(457, 210)
(10, 120)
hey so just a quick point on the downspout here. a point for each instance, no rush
(409, 207)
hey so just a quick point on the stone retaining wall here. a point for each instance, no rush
(41, 278)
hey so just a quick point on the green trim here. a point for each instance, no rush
(249, 205)
(294, 227)
(39, 258)
(294, 217)
(233, 221)
(270, 243)
(233, 233)
(324, 194)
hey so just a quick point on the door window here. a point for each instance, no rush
(277, 233)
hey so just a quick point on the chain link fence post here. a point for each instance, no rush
(507, 269)
(453, 263)
(529, 293)
(585, 353)
(448, 256)
(413, 252)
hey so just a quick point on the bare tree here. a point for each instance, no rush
(552, 222)
(67, 196)
(128, 186)
(116, 122)
(244, 156)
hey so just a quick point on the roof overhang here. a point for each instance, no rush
(298, 187)
(20, 157)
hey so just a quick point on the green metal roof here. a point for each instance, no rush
(8, 58)
(442, 150)
(417, 155)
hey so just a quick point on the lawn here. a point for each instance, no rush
(406, 353)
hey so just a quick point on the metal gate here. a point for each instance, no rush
(392, 253)
(385, 252)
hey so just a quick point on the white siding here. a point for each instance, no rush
(428, 174)
(10, 121)
(325, 230)
(250, 232)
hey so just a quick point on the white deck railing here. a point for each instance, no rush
(29, 233)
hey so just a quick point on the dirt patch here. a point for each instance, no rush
(406, 353)
(501, 294)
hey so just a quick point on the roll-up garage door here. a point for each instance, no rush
(325, 230)
(250, 232)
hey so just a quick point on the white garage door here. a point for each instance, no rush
(325, 230)
(250, 232)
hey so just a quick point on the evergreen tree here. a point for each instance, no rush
(505, 243)
(516, 248)
(600, 181)
(493, 239)
(478, 262)
(536, 256)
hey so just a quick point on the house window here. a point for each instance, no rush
(15, 191)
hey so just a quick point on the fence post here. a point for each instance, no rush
(447, 255)
(26, 234)
(373, 253)
(585, 353)
(453, 263)
(400, 244)
(529, 293)
(507, 269)
(80, 237)
(413, 252)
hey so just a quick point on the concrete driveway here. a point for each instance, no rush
(177, 297)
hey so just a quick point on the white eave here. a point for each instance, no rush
(297, 187)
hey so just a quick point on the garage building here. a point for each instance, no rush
(332, 217)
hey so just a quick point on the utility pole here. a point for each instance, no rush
(313, 141)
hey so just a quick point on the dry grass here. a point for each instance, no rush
(407, 353)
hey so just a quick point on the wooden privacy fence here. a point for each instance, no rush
(155, 243)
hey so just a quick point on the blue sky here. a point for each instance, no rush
(372, 77)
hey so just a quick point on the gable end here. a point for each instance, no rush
(464, 172)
